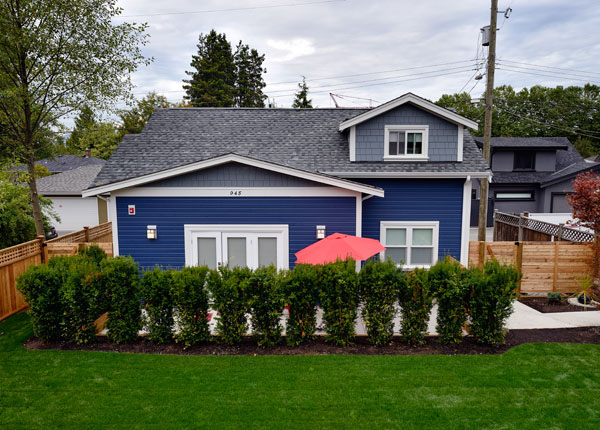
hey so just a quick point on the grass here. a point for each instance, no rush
(531, 386)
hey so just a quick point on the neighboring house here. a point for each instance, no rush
(252, 186)
(531, 174)
(64, 163)
(64, 189)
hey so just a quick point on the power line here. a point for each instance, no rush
(233, 9)
(545, 103)
(552, 67)
(570, 130)
(541, 74)
(546, 71)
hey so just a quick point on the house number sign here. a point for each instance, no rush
(235, 192)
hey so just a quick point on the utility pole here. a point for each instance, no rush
(487, 128)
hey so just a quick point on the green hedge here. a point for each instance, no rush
(339, 300)
(67, 295)
(380, 283)
(157, 288)
(191, 302)
(301, 292)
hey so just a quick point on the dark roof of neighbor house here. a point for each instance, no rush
(69, 183)
(63, 163)
(594, 158)
(568, 160)
(305, 139)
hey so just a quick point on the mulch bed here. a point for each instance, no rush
(541, 304)
(589, 335)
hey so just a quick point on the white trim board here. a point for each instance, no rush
(234, 192)
(466, 223)
(409, 98)
(461, 140)
(192, 167)
(352, 143)
(423, 175)
(112, 217)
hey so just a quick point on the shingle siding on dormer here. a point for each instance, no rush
(443, 135)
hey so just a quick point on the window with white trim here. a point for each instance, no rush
(410, 244)
(406, 142)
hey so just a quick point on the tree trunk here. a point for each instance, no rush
(35, 200)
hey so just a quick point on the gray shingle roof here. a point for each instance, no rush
(71, 182)
(306, 139)
(527, 142)
(569, 171)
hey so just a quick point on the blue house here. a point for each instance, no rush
(252, 186)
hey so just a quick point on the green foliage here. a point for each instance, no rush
(554, 298)
(222, 78)
(82, 299)
(302, 101)
(493, 293)
(191, 301)
(415, 302)
(120, 279)
(265, 302)
(229, 298)
(301, 291)
(40, 286)
(379, 286)
(94, 253)
(16, 218)
(339, 299)
(446, 279)
(157, 287)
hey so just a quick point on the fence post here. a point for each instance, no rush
(495, 235)
(520, 236)
(42, 240)
(86, 232)
(561, 228)
(555, 277)
(519, 264)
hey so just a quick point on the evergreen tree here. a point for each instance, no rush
(301, 100)
(212, 82)
(249, 80)
(85, 120)
(136, 118)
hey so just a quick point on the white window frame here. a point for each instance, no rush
(423, 129)
(251, 231)
(409, 226)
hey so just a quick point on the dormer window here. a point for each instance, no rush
(406, 142)
(524, 160)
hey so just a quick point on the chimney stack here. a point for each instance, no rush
(87, 153)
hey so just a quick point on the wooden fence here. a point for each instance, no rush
(16, 259)
(546, 266)
(509, 227)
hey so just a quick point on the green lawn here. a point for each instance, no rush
(533, 386)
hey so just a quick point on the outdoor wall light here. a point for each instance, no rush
(320, 232)
(151, 232)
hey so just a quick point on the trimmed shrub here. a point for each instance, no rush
(446, 279)
(493, 293)
(339, 300)
(416, 302)
(157, 287)
(120, 279)
(301, 296)
(265, 301)
(94, 253)
(190, 298)
(41, 285)
(379, 286)
(82, 301)
(228, 293)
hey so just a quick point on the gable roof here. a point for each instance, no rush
(569, 172)
(63, 163)
(415, 100)
(307, 140)
(71, 182)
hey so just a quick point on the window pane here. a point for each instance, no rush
(401, 143)
(524, 160)
(395, 236)
(236, 251)
(393, 148)
(393, 136)
(267, 251)
(418, 143)
(514, 195)
(420, 256)
(410, 144)
(397, 255)
(207, 252)
(422, 236)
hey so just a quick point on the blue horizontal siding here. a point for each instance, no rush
(169, 214)
(418, 200)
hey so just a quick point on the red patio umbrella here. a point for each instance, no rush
(339, 246)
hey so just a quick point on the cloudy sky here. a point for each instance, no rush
(374, 49)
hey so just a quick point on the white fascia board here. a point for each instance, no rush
(461, 139)
(425, 175)
(409, 98)
(236, 192)
(228, 159)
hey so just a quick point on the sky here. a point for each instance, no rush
(374, 49)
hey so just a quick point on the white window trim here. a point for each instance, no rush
(279, 230)
(409, 225)
(424, 129)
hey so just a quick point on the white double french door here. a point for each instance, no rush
(237, 245)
